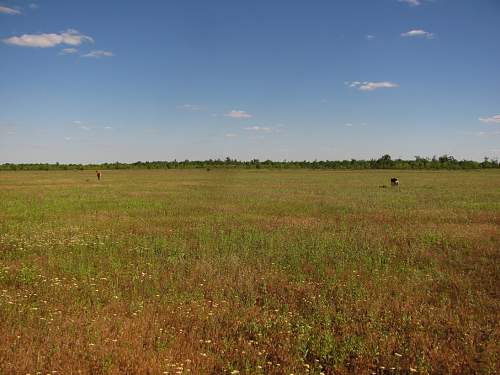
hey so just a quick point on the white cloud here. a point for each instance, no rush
(108, 128)
(490, 120)
(70, 37)
(348, 124)
(33, 6)
(84, 127)
(418, 33)
(369, 37)
(68, 138)
(259, 129)
(412, 3)
(77, 122)
(68, 51)
(98, 54)
(238, 114)
(230, 135)
(371, 86)
(6, 10)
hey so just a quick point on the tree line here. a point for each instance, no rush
(384, 162)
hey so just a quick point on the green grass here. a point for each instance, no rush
(293, 271)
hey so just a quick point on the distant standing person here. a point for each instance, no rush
(98, 173)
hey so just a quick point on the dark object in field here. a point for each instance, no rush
(394, 181)
(208, 169)
(98, 173)
(383, 186)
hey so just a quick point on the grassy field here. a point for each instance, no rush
(258, 272)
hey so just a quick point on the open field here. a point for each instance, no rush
(252, 271)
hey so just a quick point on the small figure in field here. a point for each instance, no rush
(98, 174)
(394, 181)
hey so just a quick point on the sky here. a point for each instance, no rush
(103, 81)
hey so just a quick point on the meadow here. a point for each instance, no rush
(249, 272)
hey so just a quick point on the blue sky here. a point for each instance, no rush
(95, 81)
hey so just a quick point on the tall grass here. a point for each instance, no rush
(249, 271)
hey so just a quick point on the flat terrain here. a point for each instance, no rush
(254, 271)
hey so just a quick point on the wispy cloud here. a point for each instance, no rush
(193, 107)
(418, 33)
(483, 133)
(265, 129)
(7, 10)
(33, 6)
(490, 120)
(487, 134)
(81, 125)
(371, 86)
(96, 54)
(70, 37)
(412, 3)
(86, 126)
(7, 129)
(350, 124)
(369, 37)
(230, 135)
(238, 114)
(353, 83)
(68, 51)
(259, 129)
